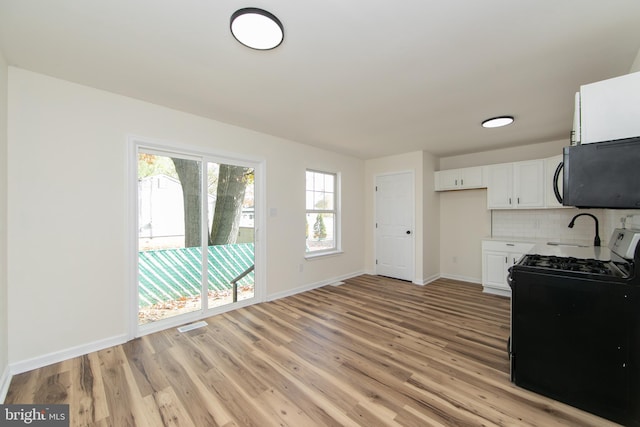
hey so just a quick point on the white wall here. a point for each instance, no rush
(504, 155)
(67, 199)
(4, 331)
(430, 220)
(636, 64)
(464, 222)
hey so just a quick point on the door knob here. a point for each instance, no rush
(408, 231)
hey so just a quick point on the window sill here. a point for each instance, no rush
(312, 256)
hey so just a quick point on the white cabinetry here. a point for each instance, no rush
(517, 185)
(609, 109)
(529, 184)
(500, 186)
(459, 179)
(497, 257)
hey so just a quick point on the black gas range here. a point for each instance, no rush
(575, 327)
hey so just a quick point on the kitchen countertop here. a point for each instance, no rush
(539, 240)
(514, 239)
(576, 248)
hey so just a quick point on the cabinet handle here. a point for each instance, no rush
(518, 200)
(511, 244)
(509, 200)
(456, 182)
(506, 260)
(462, 182)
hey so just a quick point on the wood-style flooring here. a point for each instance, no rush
(372, 352)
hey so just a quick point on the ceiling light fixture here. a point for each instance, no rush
(257, 28)
(497, 122)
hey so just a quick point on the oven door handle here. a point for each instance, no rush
(510, 279)
(556, 176)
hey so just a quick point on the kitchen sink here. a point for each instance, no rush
(575, 245)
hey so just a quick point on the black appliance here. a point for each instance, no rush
(575, 329)
(601, 175)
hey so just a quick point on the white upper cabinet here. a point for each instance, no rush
(517, 185)
(500, 186)
(609, 109)
(529, 184)
(459, 179)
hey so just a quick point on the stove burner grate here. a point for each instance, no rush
(591, 266)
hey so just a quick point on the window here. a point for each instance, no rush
(322, 212)
(193, 241)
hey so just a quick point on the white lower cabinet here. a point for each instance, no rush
(497, 257)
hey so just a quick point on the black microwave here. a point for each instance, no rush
(601, 175)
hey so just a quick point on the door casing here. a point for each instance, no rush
(397, 261)
(135, 143)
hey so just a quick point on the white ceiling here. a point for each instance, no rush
(366, 78)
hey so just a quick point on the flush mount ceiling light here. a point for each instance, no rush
(497, 122)
(257, 28)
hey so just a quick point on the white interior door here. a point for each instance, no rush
(395, 225)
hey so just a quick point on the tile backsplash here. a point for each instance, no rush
(553, 223)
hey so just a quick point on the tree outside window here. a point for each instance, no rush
(321, 212)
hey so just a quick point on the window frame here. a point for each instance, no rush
(336, 212)
(177, 149)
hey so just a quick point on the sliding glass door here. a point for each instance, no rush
(196, 236)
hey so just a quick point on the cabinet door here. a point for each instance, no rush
(495, 269)
(448, 179)
(513, 258)
(528, 184)
(471, 177)
(500, 186)
(610, 108)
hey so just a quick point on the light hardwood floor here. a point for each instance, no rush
(372, 352)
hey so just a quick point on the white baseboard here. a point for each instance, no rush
(462, 278)
(59, 356)
(428, 280)
(499, 292)
(5, 381)
(311, 286)
(69, 353)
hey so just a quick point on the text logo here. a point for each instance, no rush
(34, 415)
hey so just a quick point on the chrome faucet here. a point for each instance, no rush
(596, 240)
